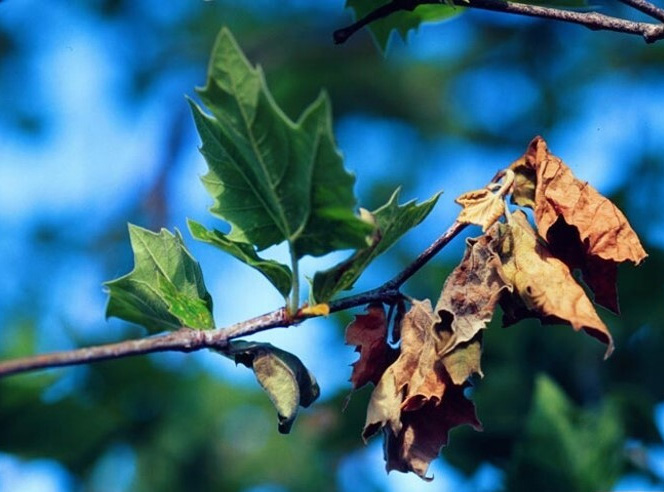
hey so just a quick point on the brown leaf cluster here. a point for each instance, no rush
(419, 395)
(582, 228)
(415, 402)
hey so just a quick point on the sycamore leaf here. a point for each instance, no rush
(472, 290)
(272, 179)
(282, 375)
(480, 207)
(401, 21)
(165, 290)
(368, 332)
(567, 209)
(278, 274)
(415, 402)
(392, 221)
(543, 285)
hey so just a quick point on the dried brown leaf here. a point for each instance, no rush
(415, 402)
(565, 207)
(544, 284)
(480, 207)
(369, 333)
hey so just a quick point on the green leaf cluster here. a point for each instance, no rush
(273, 180)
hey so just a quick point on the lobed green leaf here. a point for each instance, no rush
(392, 222)
(165, 290)
(272, 179)
(277, 273)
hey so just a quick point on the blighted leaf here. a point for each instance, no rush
(415, 402)
(463, 360)
(543, 285)
(272, 179)
(401, 21)
(564, 207)
(480, 207)
(392, 221)
(472, 290)
(278, 274)
(282, 375)
(424, 432)
(165, 290)
(368, 332)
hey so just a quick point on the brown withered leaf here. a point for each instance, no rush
(425, 432)
(369, 333)
(543, 285)
(415, 402)
(566, 207)
(464, 360)
(471, 291)
(480, 207)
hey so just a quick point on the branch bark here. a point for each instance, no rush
(190, 340)
(595, 21)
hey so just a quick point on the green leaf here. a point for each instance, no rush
(401, 21)
(282, 375)
(272, 179)
(278, 274)
(392, 222)
(563, 447)
(165, 290)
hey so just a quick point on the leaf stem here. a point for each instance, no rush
(294, 300)
(190, 340)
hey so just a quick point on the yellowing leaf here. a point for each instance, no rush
(543, 285)
(480, 207)
(582, 227)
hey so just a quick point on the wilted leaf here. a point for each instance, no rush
(415, 402)
(282, 375)
(392, 221)
(402, 21)
(272, 179)
(543, 285)
(480, 207)
(165, 290)
(368, 332)
(566, 207)
(278, 274)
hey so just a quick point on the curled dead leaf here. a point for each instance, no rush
(565, 209)
(480, 207)
(543, 285)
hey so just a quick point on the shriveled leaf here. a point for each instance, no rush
(282, 375)
(392, 221)
(425, 432)
(472, 290)
(368, 332)
(543, 285)
(278, 274)
(566, 207)
(165, 290)
(401, 21)
(415, 402)
(463, 360)
(272, 179)
(480, 207)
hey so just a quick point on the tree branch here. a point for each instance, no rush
(595, 21)
(190, 340)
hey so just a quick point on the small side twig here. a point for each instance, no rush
(595, 21)
(190, 340)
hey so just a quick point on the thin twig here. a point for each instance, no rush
(595, 21)
(189, 340)
(647, 8)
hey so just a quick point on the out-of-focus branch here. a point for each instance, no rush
(190, 340)
(595, 21)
